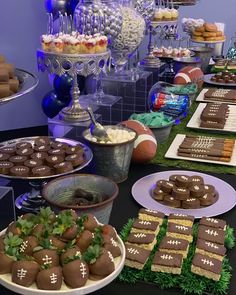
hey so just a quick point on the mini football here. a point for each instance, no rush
(189, 74)
(145, 146)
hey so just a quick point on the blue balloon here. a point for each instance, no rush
(51, 105)
(71, 6)
(62, 84)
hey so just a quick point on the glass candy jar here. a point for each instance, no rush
(146, 8)
(130, 37)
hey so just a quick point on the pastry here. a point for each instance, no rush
(181, 219)
(197, 33)
(207, 199)
(198, 38)
(210, 249)
(168, 200)
(41, 171)
(4, 77)
(178, 231)
(136, 257)
(145, 241)
(206, 266)
(63, 167)
(191, 203)
(213, 222)
(152, 215)
(182, 181)
(167, 263)
(145, 226)
(14, 84)
(200, 29)
(209, 34)
(10, 69)
(211, 234)
(20, 171)
(180, 193)
(173, 245)
(210, 27)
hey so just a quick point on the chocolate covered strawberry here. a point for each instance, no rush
(65, 226)
(24, 272)
(102, 266)
(90, 222)
(109, 230)
(75, 273)
(84, 240)
(28, 245)
(6, 263)
(72, 213)
(70, 254)
(46, 216)
(111, 245)
(2, 245)
(49, 279)
(21, 227)
(56, 243)
(47, 257)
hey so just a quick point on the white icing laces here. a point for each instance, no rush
(208, 262)
(21, 273)
(47, 260)
(133, 251)
(181, 227)
(212, 220)
(53, 278)
(212, 232)
(143, 222)
(212, 245)
(110, 256)
(139, 235)
(166, 257)
(174, 242)
(83, 269)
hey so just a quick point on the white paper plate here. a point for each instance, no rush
(172, 153)
(230, 125)
(90, 286)
(208, 42)
(201, 98)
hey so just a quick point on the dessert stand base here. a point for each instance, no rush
(31, 201)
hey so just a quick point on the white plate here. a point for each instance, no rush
(208, 42)
(172, 153)
(230, 124)
(201, 98)
(142, 189)
(90, 286)
(207, 79)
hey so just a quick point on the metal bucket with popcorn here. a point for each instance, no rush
(112, 158)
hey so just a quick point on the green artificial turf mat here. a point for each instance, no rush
(182, 129)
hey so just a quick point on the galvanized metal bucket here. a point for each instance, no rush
(112, 160)
(59, 192)
(204, 53)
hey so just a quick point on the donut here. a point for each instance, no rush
(219, 33)
(209, 34)
(200, 29)
(198, 38)
(195, 33)
(211, 39)
(210, 27)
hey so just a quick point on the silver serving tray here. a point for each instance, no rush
(207, 79)
(88, 155)
(27, 83)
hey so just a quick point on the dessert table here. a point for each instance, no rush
(125, 207)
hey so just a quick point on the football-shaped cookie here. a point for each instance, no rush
(189, 74)
(145, 146)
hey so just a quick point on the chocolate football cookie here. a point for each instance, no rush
(196, 191)
(191, 203)
(167, 186)
(182, 181)
(168, 200)
(180, 193)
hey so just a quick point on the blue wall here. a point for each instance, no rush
(23, 21)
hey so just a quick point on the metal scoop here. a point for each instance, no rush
(96, 129)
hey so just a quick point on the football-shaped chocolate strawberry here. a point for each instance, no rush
(24, 272)
(75, 273)
(28, 245)
(49, 279)
(28, 216)
(103, 266)
(2, 245)
(6, 263)
(70, 254)
(57, 243)
(84, 240)
(90, 222)
(65, 226)
(47, 257)
(70, 233)
(39, 230)
(111, 245)
(72, 213)
(13, 228)
(108, 230)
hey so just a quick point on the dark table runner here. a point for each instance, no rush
(125, 207)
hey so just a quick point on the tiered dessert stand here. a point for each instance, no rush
(73, 64)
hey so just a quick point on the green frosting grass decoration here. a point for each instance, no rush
(182, 129)
(187, 281)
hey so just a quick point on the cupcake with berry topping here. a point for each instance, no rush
(58, 45)
(101, 44)
(47, 42)
(90, 45)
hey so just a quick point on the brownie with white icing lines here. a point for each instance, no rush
(53, 160)
(211, 234)
(196, 191)
(173, 245)
(181, 219)
(179, 232)
(4, 157)
(213, 222)
(42, 148)
(41, 171)
(182, 181)
(152, 215)
(168, 200)
(5, 167)
(63, 167)
(191, 203)
(20, 171)
(206, 266)
(25, 152)
(208, 199)
(31, 163)
(143, 240)
(180, 193)
(210, 249)
(20, 145)
(145, 226)
(136, 257)
(17, 160)
(167, 263)
(75, 160)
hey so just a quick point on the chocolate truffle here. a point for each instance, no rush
(172, 178)
(20, 171)
(167, 263)
(70, 150)
(136, 257)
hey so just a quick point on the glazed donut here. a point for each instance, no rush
(209, 34)
(210, 38)
(210, 27)
(195, 33)
(200, 29)
(220, 38)
(198, 38)
(219, 34)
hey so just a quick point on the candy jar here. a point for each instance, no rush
(130, 37)
(146, 8)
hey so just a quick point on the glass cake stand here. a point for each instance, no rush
(27, 83)
(73, 64)
(32, 201)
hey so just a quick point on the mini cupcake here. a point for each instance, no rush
(158, 16)
(58, 45)
(167, 15)
(101, 44)
(47, 42)
(90, 45)
(74, 45)
(174, 13)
